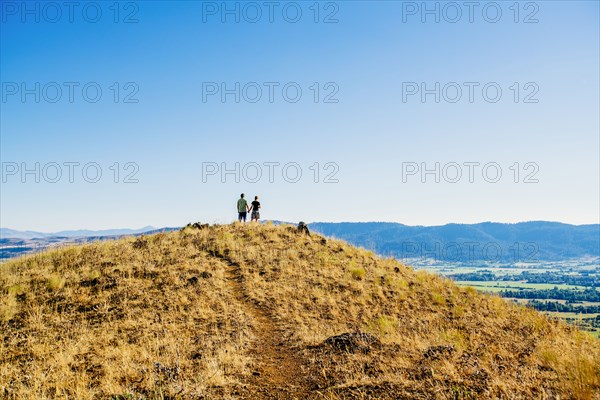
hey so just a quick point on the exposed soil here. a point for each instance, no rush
(280, 371)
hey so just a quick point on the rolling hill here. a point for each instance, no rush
(521, 242)
(266, 312)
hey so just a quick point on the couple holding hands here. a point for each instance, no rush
(243, 208)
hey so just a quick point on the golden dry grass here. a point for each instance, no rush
(196, 313)
(132, 317)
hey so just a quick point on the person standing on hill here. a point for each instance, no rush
(255, 216)
(242, 207)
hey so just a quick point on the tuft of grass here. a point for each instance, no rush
(358, 273)
(458, 311)
(470, 290)
(456, 338)
(55, 282)
(438, 299)
(8, 307)
(93, 274)
(16, 290)
(548, 357)
(383, 326)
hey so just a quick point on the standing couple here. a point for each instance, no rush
(243, 208)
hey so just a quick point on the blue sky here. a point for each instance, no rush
(364, 130)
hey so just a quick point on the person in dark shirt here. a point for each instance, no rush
(255, 216)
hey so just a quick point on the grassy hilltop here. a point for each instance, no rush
(260, 312)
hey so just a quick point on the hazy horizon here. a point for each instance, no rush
(151, 227)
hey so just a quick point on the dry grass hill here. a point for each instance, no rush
(265, 312)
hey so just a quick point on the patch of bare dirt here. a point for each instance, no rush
(280, 371)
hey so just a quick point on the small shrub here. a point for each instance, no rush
(358, 273)
(438, 299)
(16, 290)
(55, 282)
(94, 274)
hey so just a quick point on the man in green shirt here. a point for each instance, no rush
(242, 207)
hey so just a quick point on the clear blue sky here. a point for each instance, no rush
(369, 58)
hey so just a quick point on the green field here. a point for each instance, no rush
(573, 315)
(502, 271)
(495, 286)
(583, 321)
(525, 301)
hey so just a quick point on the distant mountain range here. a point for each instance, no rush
(6, 233)
(488, 241)
(18, 243)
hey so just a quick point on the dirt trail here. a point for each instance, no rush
(279, 372)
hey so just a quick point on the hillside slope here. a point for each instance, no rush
(261, 312)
